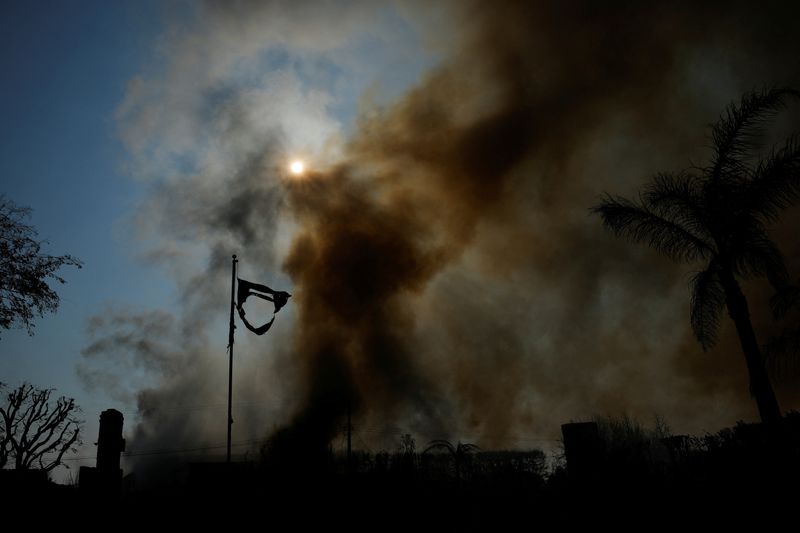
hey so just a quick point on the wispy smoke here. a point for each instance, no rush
(447, 278)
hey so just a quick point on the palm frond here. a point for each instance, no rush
(785, 299)
(440, 444)
(775, 182)
(782, 353)
(740, 129)
(640, 224)
(678, 197)
(708, 299)
(467, 448)
(753, 254)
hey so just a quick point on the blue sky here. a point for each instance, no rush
(66, 70)
(65, 67)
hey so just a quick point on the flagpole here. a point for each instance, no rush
(230, 354)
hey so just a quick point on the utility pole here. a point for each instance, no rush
(230, 360)
(349, 436)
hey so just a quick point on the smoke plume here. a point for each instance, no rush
(447, 277)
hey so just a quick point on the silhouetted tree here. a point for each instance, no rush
(460, 452)
(783, 350)
(718, 214)
(35, 433)
(24, 270)
(408, 446)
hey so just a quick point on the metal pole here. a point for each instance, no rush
(349, 436)
(230, 354)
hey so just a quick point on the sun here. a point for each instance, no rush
(297, 167)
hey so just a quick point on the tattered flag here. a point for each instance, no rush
(247, 289)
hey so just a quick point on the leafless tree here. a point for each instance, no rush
(34, 432)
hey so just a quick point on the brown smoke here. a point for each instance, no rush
(490, 143)
(448, 278)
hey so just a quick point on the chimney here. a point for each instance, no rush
(110, 443)
(104, 481)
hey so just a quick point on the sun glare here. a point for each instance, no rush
(297, 167)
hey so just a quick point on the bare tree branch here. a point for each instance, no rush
(36, 432)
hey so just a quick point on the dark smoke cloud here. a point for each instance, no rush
(447, 278)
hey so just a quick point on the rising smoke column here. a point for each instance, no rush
(530, 85)
(368, 244)
(447, 276)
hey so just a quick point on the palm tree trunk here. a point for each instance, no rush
(760, 386)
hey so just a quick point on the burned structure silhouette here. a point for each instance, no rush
(104, 480)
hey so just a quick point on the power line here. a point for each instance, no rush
(173, 451)
(356, 432)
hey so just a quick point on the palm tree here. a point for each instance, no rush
(782, 352)
(717, 215)
(460, 452)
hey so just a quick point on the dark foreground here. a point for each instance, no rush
(746, 472)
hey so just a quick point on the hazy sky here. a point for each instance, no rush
(68, 71)
(446, 273)
(65, 68)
